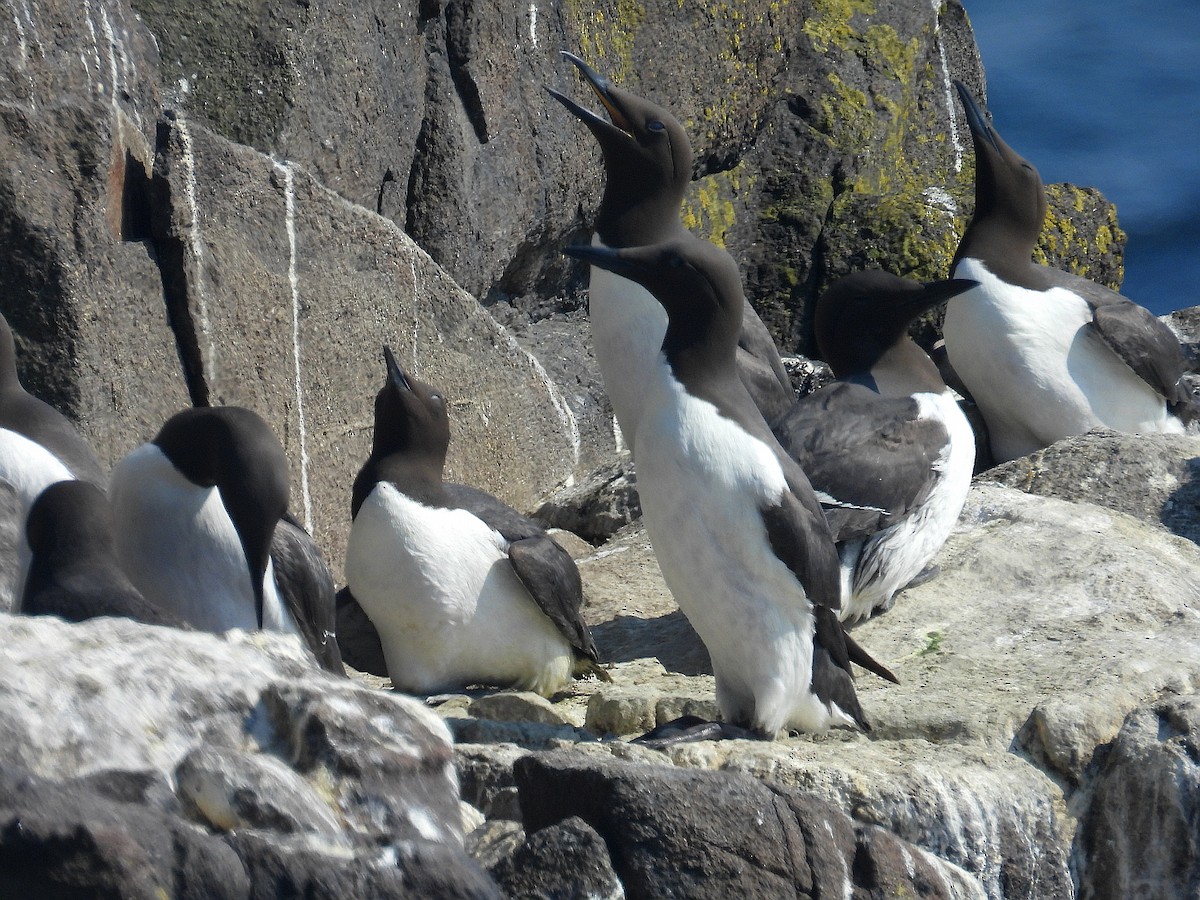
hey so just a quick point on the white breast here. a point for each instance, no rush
(702, 482)
(178, 546)
(1036, 369)
(877, 567)
(29, 468)
(449, 609)
(628, 326)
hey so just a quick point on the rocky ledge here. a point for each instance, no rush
(1041, 744)
(240, 202)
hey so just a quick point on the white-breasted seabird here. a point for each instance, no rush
(38, 447)
(886, 446)
(461, 588)
(197, 512)
(738, 532)
(1047, 354)
(648, 166)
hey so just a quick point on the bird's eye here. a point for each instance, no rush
(655, 125)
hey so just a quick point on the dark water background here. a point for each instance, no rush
(1106, 94)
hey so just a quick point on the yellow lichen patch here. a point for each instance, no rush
(607, 35)
(830, 23)
(708, 207)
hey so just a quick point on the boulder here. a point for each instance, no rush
(1140, 837)
(1154, 477)
(1049, 623)
(114, 694)
(567, 860)
(284, 321)
(67, 841)
(687, 833)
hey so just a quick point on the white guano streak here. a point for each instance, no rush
(196, 246)
(533, 13)
(289, 191)
(955, 140)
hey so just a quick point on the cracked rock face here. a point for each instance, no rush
(126, 735)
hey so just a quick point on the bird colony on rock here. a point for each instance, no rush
(776, 521)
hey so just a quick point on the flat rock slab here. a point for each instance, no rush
(289, 322)
(1154, 477)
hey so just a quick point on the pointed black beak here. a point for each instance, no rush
(395, 374)
(976, 120)
(938, 292)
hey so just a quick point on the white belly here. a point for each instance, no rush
(875, 568)
(702, 482)
(449, 609)
(29, 468)
(1036, 369)
(178, 546)
(628, 326)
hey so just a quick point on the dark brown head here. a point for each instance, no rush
(410, 419)
(647, 161)
(699, 286)
(235, 451)
(862, 327)
(1010, 199)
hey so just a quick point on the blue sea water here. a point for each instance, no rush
(1106, 94)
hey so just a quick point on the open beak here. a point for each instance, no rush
(602, 88)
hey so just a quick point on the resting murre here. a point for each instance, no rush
(648, 166)
(461, 588)
(197, 512)
(739, 535)
(39, 446)
(1044, 353)
(886, 446)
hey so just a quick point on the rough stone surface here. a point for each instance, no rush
(567, 860)
(1141, 837)
(597, 507)
(239, 221)
(1155, 477)
(116, 694)
(687, 833)
(58, 841)
(250, 225)
(303, 867)
(82, 289)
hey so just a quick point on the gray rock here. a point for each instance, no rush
(1140, 837)
(303, 866)
(245, 225)
(11, 521)
(232, 791)
(568, 860)
(1155, 477)
(688, 833)
(118, 695)
(596, 507)
(494, 840)
(486, 780)
(82, 288)
(518, 706)
(60, 841)
(1186, 325)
